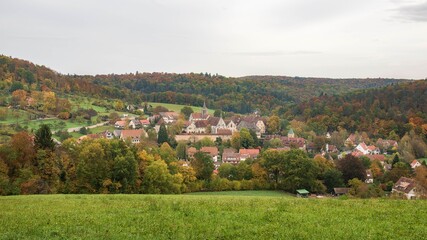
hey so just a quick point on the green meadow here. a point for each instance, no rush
(208, 216)
(177, 107)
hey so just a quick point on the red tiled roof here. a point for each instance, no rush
(213, 151)
(132, 133)
(224, 132)
(250, 151)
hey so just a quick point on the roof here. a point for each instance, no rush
(173, 115)
(224, 132)
(201, 124)
(302, 191)
(229, 150)
(191, 150)
(404, 184)
(213, 121)
(145, 122)
(213, 151)
(378, 157)
(199, 116)
(251, 151)
(120, 123)
(341, 190)
(132, 133)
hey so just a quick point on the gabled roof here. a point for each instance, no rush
(199, 116)
(145, 122)
(120, 123)
(213, 121)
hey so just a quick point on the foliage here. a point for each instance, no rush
(162, 135)
(351, 167)
(43, 138)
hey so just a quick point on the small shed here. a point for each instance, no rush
(302, 193)
(341, 191)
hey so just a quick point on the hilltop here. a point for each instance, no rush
(240, 95)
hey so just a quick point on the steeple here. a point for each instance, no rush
(204, 110)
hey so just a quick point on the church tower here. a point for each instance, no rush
(204, 110)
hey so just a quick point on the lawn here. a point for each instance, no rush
(260, 193)
(208, 217)
(177, 107)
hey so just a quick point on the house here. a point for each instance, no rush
(369, 177)
(133, 135)
(249, 153)
(363, 148)
(211, 151)
(108, 135)
(289, 142)
(386, 144)
(229, 156)
(291, 133)
(254, 123)
(145, 122)
(415, 164)
(169, 117)
(406, 187)
(351, 140)
(121, 124)
(190, 152)
(329, 148)
(341, 191)
(135, 124)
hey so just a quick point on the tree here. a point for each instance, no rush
(399, 170)
(157, 179)
(43, 138)
(217, 113)
(167, 153)
(187, 111)
(235, 140)
(19, 97)
(202, 163)
(332, 178)
(227, 170)
(246, 140)
(49, 101)
(119, 105)
(181, 150)
(92, 169)
(23, 151)
(206, 142)
(163, 135)
(273, 124)
(124, 171)
(351, 167)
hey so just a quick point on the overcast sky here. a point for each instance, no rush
(322, 38)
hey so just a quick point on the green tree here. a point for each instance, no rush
(187, 111)
(181, 150)
(217, 113)
(43, 138)
(157, 179)
(163, 135)
(124, 171)
(227, 170)
(273, 124)
(246, 139)
(203, 165)
(332, 178)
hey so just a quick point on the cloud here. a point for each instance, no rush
(414, 12)
(276, 53)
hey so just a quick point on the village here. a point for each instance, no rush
(202, 126)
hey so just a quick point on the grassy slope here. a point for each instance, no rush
(208, 217)
(177, 107)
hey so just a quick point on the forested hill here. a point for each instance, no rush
(240, 95)
(399, 107)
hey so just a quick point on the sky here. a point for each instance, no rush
(306, 38)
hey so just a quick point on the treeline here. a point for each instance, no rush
(240, 95)
(397, 108)
(35, 165)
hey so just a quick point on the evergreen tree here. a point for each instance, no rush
(43, 138)
(163, 135)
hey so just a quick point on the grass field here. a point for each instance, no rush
(262, 193)
(177, 107)
(208, 217)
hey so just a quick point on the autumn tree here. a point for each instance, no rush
(236, 140)
(273, 124)
(157, 179)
